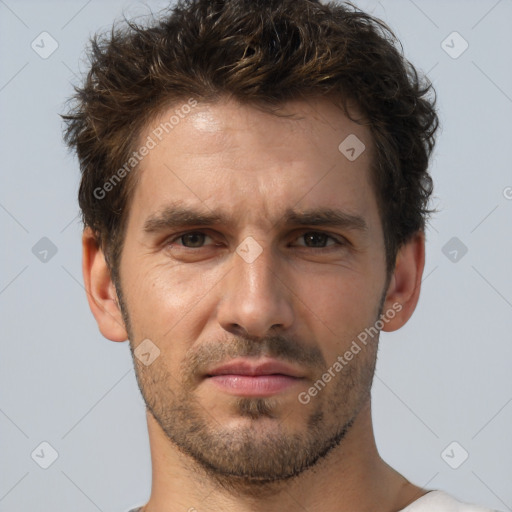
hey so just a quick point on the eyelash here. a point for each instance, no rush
(340, 242)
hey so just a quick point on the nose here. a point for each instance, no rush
(256, 300)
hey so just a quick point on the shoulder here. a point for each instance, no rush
(440, 501)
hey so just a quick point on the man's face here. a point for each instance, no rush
(265, 276)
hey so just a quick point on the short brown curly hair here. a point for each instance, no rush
(260, 52)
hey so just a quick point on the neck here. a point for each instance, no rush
(352, 476)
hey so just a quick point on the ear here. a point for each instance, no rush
(100, 289)
(405, 283)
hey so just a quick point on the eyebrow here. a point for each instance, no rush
(328, 217)
(173, 217)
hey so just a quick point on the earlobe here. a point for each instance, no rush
(405, 284)
(101, 292)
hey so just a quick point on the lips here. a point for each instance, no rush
(247, 367)
(251, 379)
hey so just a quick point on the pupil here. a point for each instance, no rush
(194, 239)
(315, 238)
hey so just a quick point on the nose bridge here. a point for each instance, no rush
(254, 299)
(253, 269)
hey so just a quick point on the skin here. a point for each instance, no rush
(303, 300)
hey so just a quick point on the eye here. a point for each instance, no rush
(318, 240)
(309, 239)
(191, 240)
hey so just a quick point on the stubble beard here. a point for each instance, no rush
(260, 455)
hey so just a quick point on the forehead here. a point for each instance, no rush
(228, 125)
(253, 162)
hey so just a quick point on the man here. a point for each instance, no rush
(254, 192)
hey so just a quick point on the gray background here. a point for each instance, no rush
(445, 377)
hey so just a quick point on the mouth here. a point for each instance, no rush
(243, 377)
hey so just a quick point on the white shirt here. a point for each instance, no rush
(439, 501)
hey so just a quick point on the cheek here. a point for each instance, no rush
(339, 307)
(166, 302)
